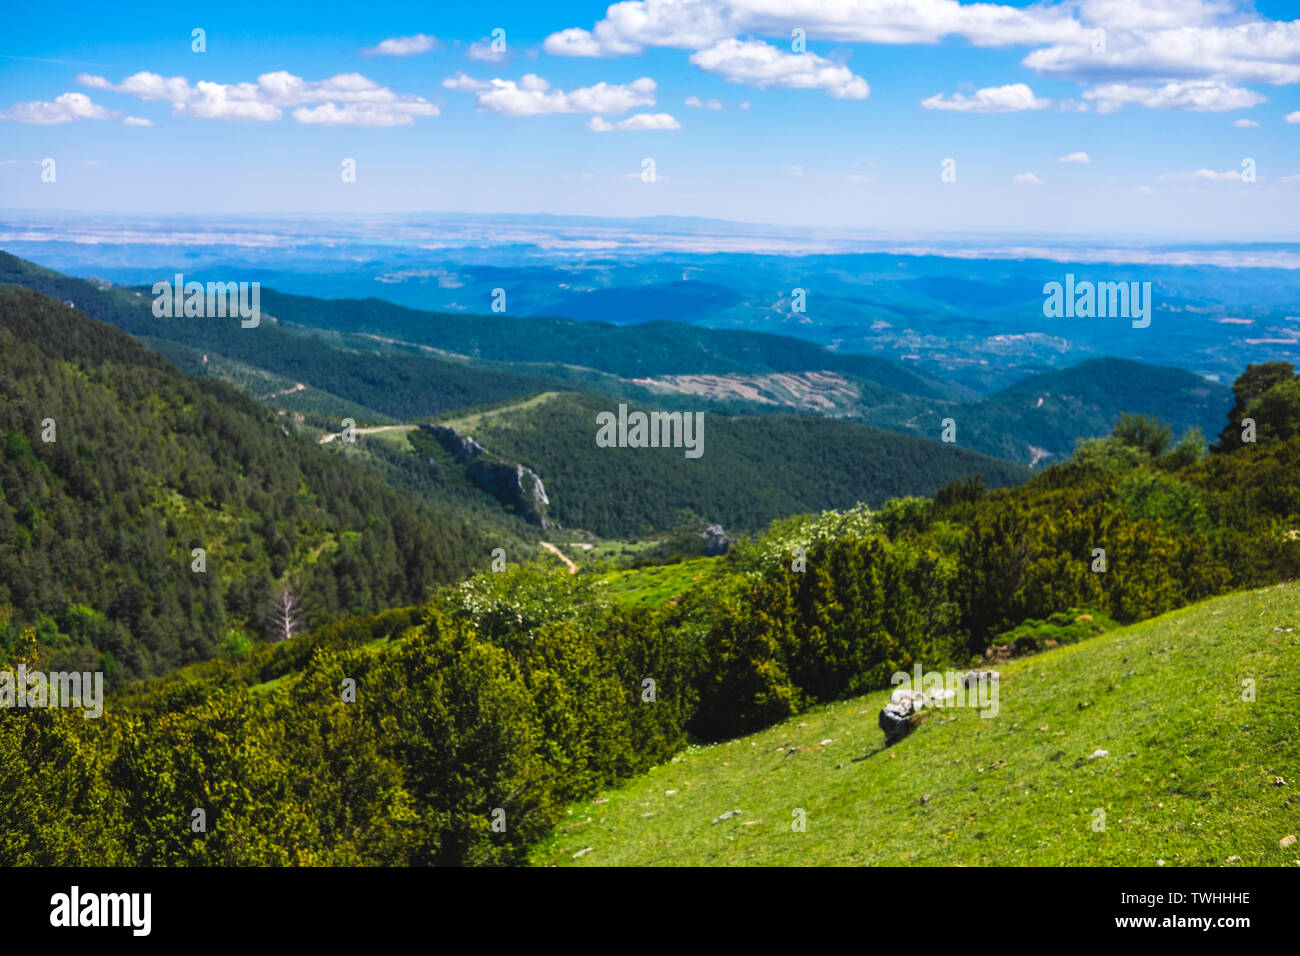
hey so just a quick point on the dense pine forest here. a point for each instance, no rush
(99, 524)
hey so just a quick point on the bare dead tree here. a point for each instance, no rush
(285, 618)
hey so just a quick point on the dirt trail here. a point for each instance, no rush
(325, 439)
(299, 387)
(573, 568)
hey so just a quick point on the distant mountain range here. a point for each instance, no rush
(969, 309)
(382, 363)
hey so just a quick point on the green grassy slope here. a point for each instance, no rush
(1190, 777)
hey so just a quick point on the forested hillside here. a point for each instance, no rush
(397, 384)
(751, 471)
(145, 464)
(630, 351)
(513, 694)
(1049, 412)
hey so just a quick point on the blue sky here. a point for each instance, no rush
(850, 132)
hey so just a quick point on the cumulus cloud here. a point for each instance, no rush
(1148, 43)
(63, 109)
(402, 46)
(482, 51)
(1247, 51)
(1196, 95)
(631, 27)
(637, 121)
(463, 82)
(994, 99)
(761, 64)
(1244, 123)
(1293, 117)
(699, 104)
(532, 96)
(363, 114)
(1231, 175)
(265, 100)
(1027, 178)
(137, 121)
(1074, 158)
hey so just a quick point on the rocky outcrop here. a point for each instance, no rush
(516, 486)
(900, 715)
(461, 447)
(716, 541)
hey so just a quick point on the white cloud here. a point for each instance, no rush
(795, 172)
(631, 27)
(761, 64)
(402, 46)
(1244, 123)
(137, 121)
(363, 114)
(1027, 178)
(533, 96)
(482, 51)
(994, 99)
(1232, 175)
(699, 104)
(575, 42)
(1074, 158)
(265, 100)
(1147, 42)
(1196, 95)
(1293, 117)
(461, 81)
(1238, 50)
(649, 121)
(64, 109)
(637, 121)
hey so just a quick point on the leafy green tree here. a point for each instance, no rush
(1146, 434)
(1277, 412)
(1250, 385)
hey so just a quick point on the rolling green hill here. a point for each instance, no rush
(629, 351)
(1048, 412)
(1190, 774)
